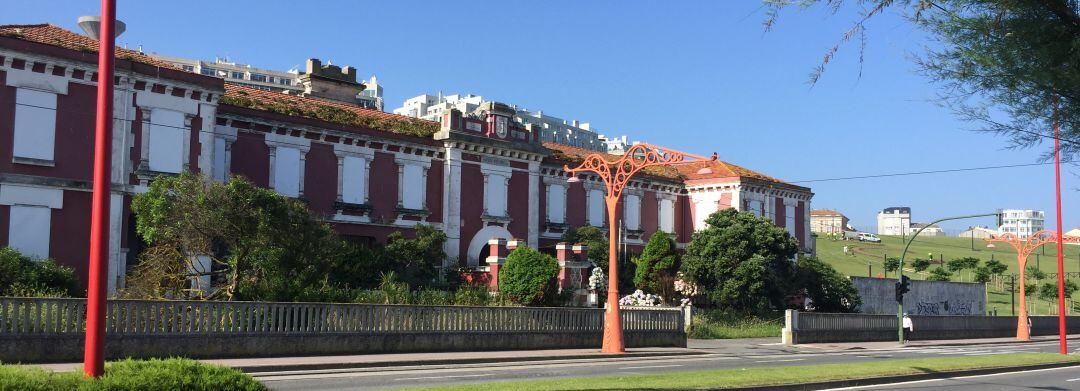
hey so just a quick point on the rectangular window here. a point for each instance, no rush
(667, 216)
(166, 141)
(35, 124)
(258, 77)
(412, 193)
(28, 230)
(495, 195)
(208, 71)
(632, 212)
(287, 171)
(556, 203)
(287, 82)
(789, 217)
(238, 75)
(596, 208)
(219, 159)
(354, 180)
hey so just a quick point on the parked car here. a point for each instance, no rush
(865, 237)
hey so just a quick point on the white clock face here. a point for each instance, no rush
(500, 126)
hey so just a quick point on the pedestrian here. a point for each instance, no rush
(909, 327)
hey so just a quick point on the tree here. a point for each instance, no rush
(1048, 291)
(592, 237)
(416, 261)
(1033, 273)
(983, 274)
(741, 261)
(892, 264)
(260, 245)
(657, 265)
(528, 277)
(939, 274)
(828, 290)
(920, 264)
(1002, 64)
(960, 264)
(22, 276)
(996, 267)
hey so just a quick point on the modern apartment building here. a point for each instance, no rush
(552, 129)
(1021, 222)
(894, 221)
(267, 79)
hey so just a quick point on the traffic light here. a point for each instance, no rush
(903, 286)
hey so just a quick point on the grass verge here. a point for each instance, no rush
(153, 374)
(771, 376)
(717, 324)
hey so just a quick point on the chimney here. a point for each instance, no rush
(330, 82)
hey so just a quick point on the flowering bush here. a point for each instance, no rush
(641, 299)
(597, 280)
(685, 287)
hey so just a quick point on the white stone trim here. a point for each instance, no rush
(25, 78)
(31, 196)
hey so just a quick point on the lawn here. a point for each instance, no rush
(771, 376)
(867, 259)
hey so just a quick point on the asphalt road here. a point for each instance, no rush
(720, 355)
(1041, 379)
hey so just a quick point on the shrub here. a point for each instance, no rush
(22, 276)
(657, 266)
(939, 274)
(472, 295)
(138, 375)
(528, 277)
(828, 290)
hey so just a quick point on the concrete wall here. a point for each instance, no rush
(69, 347)
(925, 298)
(808, 327)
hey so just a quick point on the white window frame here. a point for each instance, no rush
(407, 164)
(596, 208)
(29, 200)
(666, 221)
(556, 196)
(632, 211)
(302, 145)
(34, 138)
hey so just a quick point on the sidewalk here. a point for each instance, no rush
(274, 364)
(1072, 338)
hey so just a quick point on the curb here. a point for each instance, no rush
(479, 360)
(904, 378)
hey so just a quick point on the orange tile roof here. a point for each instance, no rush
(825, 212)
(325, 110)
(56, 36)
(575, 155)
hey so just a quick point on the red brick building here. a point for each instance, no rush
(476, 175)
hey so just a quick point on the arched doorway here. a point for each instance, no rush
(479, 243)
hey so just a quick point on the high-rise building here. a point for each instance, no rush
(1021, 222)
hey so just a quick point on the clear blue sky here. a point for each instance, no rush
(698, 76)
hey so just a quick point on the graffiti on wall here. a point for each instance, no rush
(945, 308)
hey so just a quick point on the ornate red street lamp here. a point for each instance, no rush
(616, 174)
(1024, 247)
(104, 29)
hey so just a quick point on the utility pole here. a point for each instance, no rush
(869, 269)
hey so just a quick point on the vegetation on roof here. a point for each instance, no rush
(311, 108)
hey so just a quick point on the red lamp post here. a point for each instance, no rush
(615, 175)
(106, 29)
(1024, 247)
(1064, 349)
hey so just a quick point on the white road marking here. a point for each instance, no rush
(788, 360)
(652, 366)
(1073, 379)
(440, 377)
(948, 378)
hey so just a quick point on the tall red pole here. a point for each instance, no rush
(613, 332)
(1060, 239)
(94, 354)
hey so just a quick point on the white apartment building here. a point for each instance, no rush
(268, 79)
(1021, 222)
(552, 129)
(894, 221)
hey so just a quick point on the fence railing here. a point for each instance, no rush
(64, 315)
